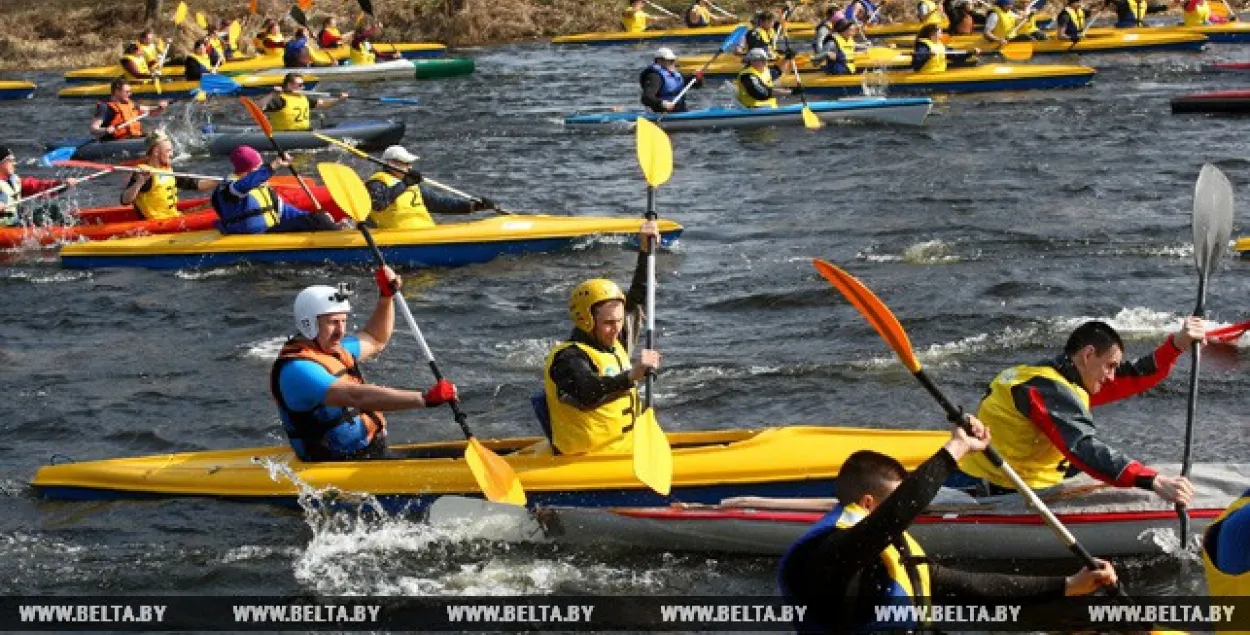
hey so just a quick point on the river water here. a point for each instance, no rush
(991, 231)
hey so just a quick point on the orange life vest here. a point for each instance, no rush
(122, 112)
(340, 363)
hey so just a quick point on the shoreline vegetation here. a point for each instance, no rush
(78, 33)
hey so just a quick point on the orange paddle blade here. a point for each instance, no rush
(251, 7)
(497, 479)
(258, 116)
(872, 308)
(304, 4)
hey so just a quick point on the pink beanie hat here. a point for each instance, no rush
(244, 159)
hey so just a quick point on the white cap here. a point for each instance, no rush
(665, 53)
(399, 155)
(757, 55)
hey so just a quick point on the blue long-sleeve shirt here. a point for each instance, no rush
(237, 211)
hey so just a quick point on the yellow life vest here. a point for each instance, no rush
(934, 16)
(262, 202)
(1199, 16)
(407, 211)
(152, 52)
(139, 63)
(1219, 583)
(937, 57)
(745, 98)
(1139, 9)
(272, 45)
(362, 55)
(1016, 437)
(705, 16)
(895, 567)
(216, 45)
(161, 199)
(604, 429)
(768, 37)
(1006, 24)
(1077, 17)
(847, 46)
(634, 21)
(293, 115)
(203, 60)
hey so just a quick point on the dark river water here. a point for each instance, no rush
(991, 232)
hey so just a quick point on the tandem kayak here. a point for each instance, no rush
(447, 245)
(251, 85)
(16, 90)
(1226, 33)
(1223, 102)
(707, 467)
(241, 66)
(1101, 41)
(393, 69)
(986, 77)
(367, 135)
(728, 66)
(909, 111)
(100, 223)
(716, 33)
(1107, 521)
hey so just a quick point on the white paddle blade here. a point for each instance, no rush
(1212, 217)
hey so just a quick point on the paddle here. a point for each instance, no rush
(653, 457)
(67, 152)
(888, 327)
(1228, 334)
(1212, 225)
(180, 14)
(721, 11)
(810, 120)
(53, 190)
(493, 475)
(729, 44)
(297, 14)
(108, 167)
(401, 101)
(200, 20)
(366, 6)
(261, 120)
(660, 9)
(424, 179)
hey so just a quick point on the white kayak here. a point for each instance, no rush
(907, 111)
(378, 71)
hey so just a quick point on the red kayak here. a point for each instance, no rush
(1227, 102)
(1232, 67)
(99, 223)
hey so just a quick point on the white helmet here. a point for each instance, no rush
(315, 301)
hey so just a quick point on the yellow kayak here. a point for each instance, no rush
(707, 466)
(732, 64)
(409, 50)
(1227, 33)
(16, 90)
(252, 85)
(717, 33)
(986, 77)
(1096, 41)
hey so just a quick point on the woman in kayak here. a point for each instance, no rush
(838, 50)
(824, 30)
(755, 83)
(931, 56)
(399, 201)
(154, 192)
(860, 556)
(246, 205)
(198, 62)
(14, 187)
(328, 410)
(270, 41)
(134, 66)
(330, 37)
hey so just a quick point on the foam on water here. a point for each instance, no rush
(266, 349)
(529, 352)
(923, 253)
(215, 272)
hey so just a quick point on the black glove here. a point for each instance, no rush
(484, 203)
(413, 177)
(796, 91)
(789, 54)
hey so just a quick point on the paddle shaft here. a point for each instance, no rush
(727, 14)
(1191, 411)
(794, 65)
(381, 100)
(53, 190)
(106, 167)
(661, 9)
(650, 335)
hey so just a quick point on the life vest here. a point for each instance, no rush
(1200, 15)
(272, 45)
(933, 15)
(607, 428)
(205, 63)
(216, 44)
(10, 190)
(905, 564)
(673, 81)
(161, 199)
(119, 113)
(745, 98)
(260, 201)
(308, 428)
(329, 37)
(703, 17)
(152, 52)
(1138, 9)
(1006, 27)
(407, 211)
(1017, 439)
(846, 49)
(937, 57)
(764, 38)
(1076, 21)
(140, 65)
(291, 53)
(361, 53)
(1219, 583)
(294, 114)
(634, 21)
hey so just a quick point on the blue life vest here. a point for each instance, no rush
(673, 81)
(252, 214)
(291, 57)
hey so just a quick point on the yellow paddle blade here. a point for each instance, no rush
(872, 308)
(180, 13)
(200, 96)
(497, 479)
(347, 190)
(653, 457)
(1017, 51)
(258, 116)
(201, 20)
(655, 153)
(810, 119)
(235, 31)
(342, 144)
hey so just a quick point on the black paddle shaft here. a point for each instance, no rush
(304, 186)
(1191, 412)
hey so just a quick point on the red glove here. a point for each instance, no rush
(384, 283)
(698, 76)
(440, 393)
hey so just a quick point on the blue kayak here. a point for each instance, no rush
(910, 111)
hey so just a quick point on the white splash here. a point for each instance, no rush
(265, 349)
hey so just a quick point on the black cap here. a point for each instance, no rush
(5, 153)
(842, 25)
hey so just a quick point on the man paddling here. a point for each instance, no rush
(838, 49)
(755, 82)
(154, 192)
(14, 187)
(151, 46)
(1070, 25)
(860, 556)
(399, 200)
(118, 116)
(1040, 415)
(199, 61)
(245, 204)
(296, 53)
(328, 410)
(289, 108)
(1226, 551)
(931, 56)
(662, 83)
(590, 398)
(634, 20)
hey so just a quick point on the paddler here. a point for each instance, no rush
(930, 55)
(930, 12)
(699, 15)
(296, 53)
(589, 386)
(860, 556)
(634, 20)
(763, 34)
(118, 116)
(134, 66)
(1000, 25)
(755, 82)
(246, 205)
(289, 109)
(824, 29)
(330, 36)
(328, 411)
(962, 19)
(838, 51)
(1070, 25)
(154, 192)
(219, 44)
(1130, 14)
(151, 47)
(199, 61)
(1226, 551)
(14, 187)
(1042, 424)
(399, 200)
(361, 52)
(1198, 13)
(661, 83)
(270, 41)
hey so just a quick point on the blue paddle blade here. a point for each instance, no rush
(734, 38)
(218, 85)
(403, 101)
(60, 154)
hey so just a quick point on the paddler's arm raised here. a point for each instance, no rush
(377, 331)
(1140, 375)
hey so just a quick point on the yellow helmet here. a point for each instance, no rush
(586, 295)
